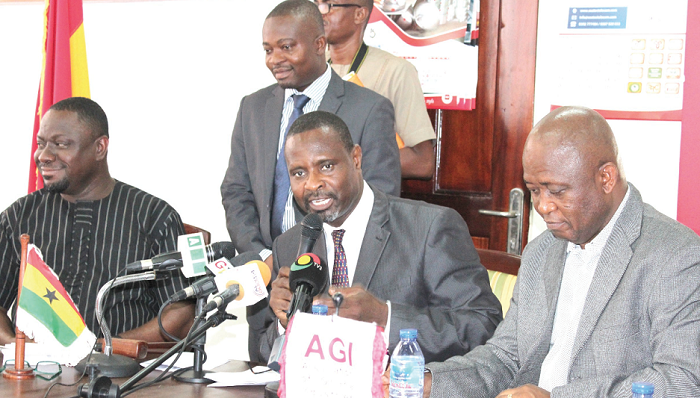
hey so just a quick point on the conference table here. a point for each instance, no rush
(169, 388)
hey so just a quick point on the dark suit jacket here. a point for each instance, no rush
(640, 322)
(248, 184)
(421, 258)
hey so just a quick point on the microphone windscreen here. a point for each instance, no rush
(223, 249)
(264, 272)
(312, 226)
(311, 270)
(244, 258)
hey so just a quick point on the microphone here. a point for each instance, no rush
(254, 284)
(307, 277)
(311, 228)
(200, 288)
(222, 299)
(250, 281)
(203, 287)
(173, 260)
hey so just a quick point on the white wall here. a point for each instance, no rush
(170, 76)
(650, 150)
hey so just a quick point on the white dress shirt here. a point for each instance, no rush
(579, 269)
(355, 227)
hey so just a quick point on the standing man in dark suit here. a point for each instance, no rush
(406, 263)
(255, 190)
(608, 296)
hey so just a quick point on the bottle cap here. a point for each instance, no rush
(319, 309)
(642, 388)
(408, 333)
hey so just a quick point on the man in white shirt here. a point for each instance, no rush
(399, 263)
(606, 297)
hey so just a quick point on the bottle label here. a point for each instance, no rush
(406, 373)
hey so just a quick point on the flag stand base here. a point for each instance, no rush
(109, 365)
(20, 338)
(18, 374)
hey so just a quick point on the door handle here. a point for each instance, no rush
(506, 214)
(515, 220)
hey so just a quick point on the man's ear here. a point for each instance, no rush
(320, 45)
(609, 176)
(361, 16)
(101, 146)
(357, 157)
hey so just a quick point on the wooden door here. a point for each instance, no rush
(479, 152)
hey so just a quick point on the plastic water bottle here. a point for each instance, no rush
(407, 367)
(642, 390)
(319, 309)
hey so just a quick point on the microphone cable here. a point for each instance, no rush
(94, 347)
(172, 337)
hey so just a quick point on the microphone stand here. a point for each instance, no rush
(196, 375)
(102, 386)
(109, 364)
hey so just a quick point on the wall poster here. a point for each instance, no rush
(440, 38)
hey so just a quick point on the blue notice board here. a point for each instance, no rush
(597, 18)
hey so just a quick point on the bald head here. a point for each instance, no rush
(581, 131)
(571, 168)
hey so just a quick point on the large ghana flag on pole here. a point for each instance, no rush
(46, 312)
(64, 72)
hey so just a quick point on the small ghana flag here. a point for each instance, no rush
(46, 312)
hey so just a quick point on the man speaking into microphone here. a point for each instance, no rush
(399, 263)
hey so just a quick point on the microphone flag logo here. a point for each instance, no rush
(304, 261)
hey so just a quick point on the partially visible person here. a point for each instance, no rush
(255, 191)
(391, 76)
(608, 296)
(399, 263)
(89, 226)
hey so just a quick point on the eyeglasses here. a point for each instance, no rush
(46, 370)
(325, 8)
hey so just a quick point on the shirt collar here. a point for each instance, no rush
(597, 243)
(359, 217)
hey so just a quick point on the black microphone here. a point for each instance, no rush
(308, 276)
(201, 288)
(173, 260)
(222, 299)
(311, 228)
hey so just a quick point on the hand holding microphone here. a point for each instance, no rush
(281, 296)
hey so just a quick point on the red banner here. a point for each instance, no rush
(64, 71)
